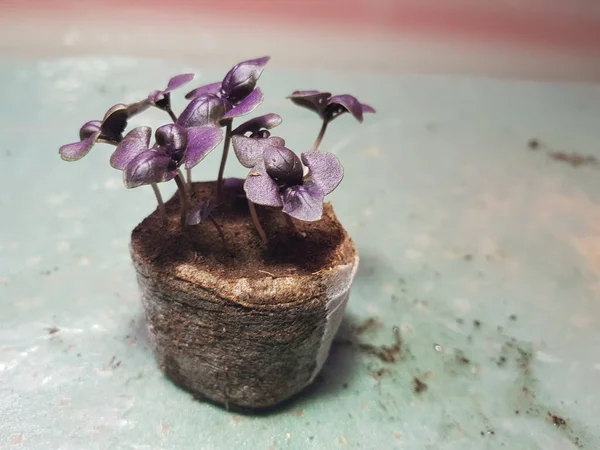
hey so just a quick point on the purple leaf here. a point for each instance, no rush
(241, 80)
(89, 128)
(162, 99)
(348, 103)
(172, 139)
(304, 202)
(247, 105)
(211, 89)
(201, 141)
(200, 212)
(179, 81)
(249, 151)
(77, 150)
(114, 123)
(204, 111)
(261, 188)
(115, 120)
(135, 142)
(368, 109)
(148, 167)
(314, 100)
(267, 122)
(234, 184)
(325, 170)
(283, 165)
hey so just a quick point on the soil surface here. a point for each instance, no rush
(302, 249)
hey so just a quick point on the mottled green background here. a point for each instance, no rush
(485, 254)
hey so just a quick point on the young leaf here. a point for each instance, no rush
(135, 142)
(304, 202)
(201, 141)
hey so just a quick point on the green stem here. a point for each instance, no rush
(223, 160)
(260, 230)
(183, 201)
(317, 143)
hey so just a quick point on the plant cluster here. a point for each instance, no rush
(278, 177)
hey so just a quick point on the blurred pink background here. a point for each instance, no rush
(558, 39)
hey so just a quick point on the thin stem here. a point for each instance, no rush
(223, 160)
(183, 201)
(256, 222)
(171, 114)
(188, 175)
(219, 229)
(188, 191)
(292, 225)
(315, 146)
(161, 205)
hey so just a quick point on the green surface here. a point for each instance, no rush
(484, 253)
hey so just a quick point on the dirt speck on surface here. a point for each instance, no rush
(513, 317)
(557, 421)
(386, 353)
(477, 323)
(53, 330)
(114, 363)
(533, 144)
(419, 386)
(368, 325)
(574, 159)
(380, 373)
(461, 358)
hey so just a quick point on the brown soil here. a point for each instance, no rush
(419, 386)
(574, 159)
(312, 247)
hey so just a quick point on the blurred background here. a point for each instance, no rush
(549, 39)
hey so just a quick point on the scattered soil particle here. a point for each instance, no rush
(114, 363)
(476, 323)
(49, 271)
(575, 159)
(367, 325)
(533, 144)
(419, 386)
(461, 358)
(513, 317)
(557, 421)
(53, 330)
(501, 361)
(379, 374)
(385, 353)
